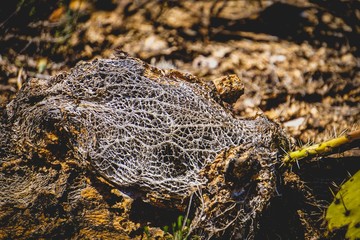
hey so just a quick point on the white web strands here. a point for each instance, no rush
(155, 134)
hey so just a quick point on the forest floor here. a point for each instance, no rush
(299, 60)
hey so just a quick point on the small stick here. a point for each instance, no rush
(324, 148)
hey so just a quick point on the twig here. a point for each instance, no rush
(321, 149)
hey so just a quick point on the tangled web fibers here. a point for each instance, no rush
(137, 126)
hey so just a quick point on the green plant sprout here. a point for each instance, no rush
(180, 228)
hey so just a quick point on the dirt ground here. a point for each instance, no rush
(299, 62)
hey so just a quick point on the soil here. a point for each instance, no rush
(298, 60)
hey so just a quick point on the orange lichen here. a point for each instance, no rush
(90, 193)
